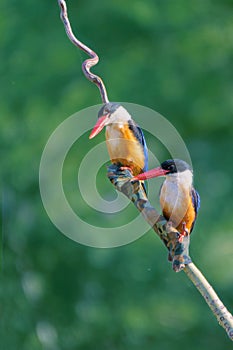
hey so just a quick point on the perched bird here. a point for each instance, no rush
(124, 138)
(179, 200)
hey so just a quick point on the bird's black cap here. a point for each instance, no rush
(108, 108)
(175, 166)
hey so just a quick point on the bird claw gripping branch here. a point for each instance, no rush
(178, 251)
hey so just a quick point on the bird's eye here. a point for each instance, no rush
(172, 167)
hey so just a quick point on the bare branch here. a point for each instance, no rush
(90, 62)
(178, 252)
(224, 317)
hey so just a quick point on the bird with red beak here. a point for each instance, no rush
(124, 138)
(179, 200)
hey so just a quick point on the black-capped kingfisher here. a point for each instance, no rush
(179, 200)
(124, 138)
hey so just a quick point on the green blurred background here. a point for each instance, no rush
(172, 56)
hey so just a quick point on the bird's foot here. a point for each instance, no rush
(169, 224)
(183, 233)
(120, 178)
(116, 172)
(122, 168)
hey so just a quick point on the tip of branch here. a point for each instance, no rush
(62, 5)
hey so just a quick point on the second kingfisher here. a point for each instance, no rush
(124, 138)
(179, 200)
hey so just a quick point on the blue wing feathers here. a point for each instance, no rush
(196, 200)
(137, 131)
(196, 204)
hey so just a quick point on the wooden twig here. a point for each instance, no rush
(90, 62)
(178, 253)
(223, 316)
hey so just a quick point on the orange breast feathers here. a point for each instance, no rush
(177, 206)
(124, 148)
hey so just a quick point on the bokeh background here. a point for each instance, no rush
(172, 56)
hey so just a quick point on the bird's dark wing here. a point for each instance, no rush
(196, 200)
(137, 131)
(196, 204)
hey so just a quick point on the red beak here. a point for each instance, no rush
(150, 174)
(98, 126)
